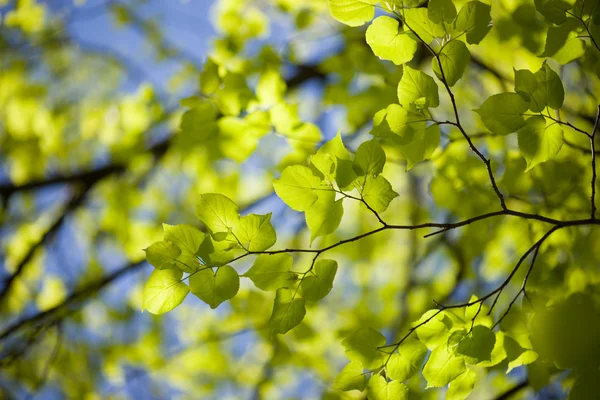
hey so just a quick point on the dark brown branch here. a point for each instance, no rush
(72, 301)
(89, 181)
(593, 152)
(51, 360)
(85, 177)
(76, 201)
(457, 123)
(584, 150)
(303, 74)
(504, 78)
(512, 391)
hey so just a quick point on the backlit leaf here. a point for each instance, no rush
(379, 388)
(503, 113)
(362, 346)
(389, 42)
(271, 271)
(164, 291)
(540, 141)
(297, 187)
(215, 288)
(288, 311)
(318, 285)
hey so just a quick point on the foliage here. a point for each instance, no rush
(470, 123)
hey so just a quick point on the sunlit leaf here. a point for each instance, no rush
(271, 272)
(255, 232)
(414, 86)
(352, 12)
(164, 291)
(288, 311)
(380, 389)
(218, 213)
(407, 361)
(443, 366)
(213, 288)
(503, 113)
(474, 19)
(539, 141)
(362, 346)
(297, 187)
(454, 58)
(389, 42)
(351, 378)
(318, 284)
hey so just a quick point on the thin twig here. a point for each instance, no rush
(593, 152)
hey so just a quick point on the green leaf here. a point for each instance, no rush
(538, 141)
(378, 193)
(498, 353)
(390, 42)
(352, 12)
(239, 136)
(477, 345)
(218, 213)
(440, 11)
(215, 253)
(478, 312)
(397, 124)
(271, 88)
(563, 43)
(288, 311)
(209, 77)
(415, 86)
(435, 332)
(474, 18)
(317, 286)
(362, 346)
(255, 232)
(215, 288)
(271, 271)
(233, 94)
(163, 255)
(443, 367)
(461, 387)
(369, 159)
(325, 215)
(380, 389)
(164, 291)
(284, 118)
(525, 83)
(326, 159)
(454, 58)
(542, 89)
(417, 20)
(345, 174)
(296, 187)
(351, 378)
(503, 113)
(200, 122)
(517, 355)
(188, 239)
(407, 361)
(553, 10)
(422, 147)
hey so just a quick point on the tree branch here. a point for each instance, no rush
(593, 153)
(512, 391)
(457, 123)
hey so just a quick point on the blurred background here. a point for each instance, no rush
(94, 157)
